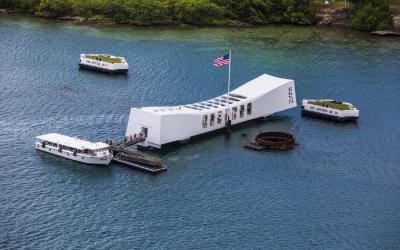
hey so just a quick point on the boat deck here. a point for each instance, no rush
(105, 58)
(331, 104)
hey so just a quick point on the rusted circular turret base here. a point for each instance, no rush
(272, 140)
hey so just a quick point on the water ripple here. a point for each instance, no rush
(338, 189)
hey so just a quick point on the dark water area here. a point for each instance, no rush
(338, 189)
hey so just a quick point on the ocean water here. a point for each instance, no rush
(339, 189)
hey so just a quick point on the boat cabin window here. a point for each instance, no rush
(50, 143)
(212, 119)
(205, 121)
(241, 112)
(249, 108)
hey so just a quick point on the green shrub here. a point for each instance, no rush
(19, 4)
(198, 12)
(272, 11)
(53, 8)
(187, 11)
(368, 17)
(146, 10)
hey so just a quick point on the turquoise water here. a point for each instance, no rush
(338, 189)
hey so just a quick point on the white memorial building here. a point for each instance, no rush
(260, 97)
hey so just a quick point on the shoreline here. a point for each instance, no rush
(155, 23)
(78, 20)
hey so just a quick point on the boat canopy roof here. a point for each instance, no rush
(245, 93)
(72, 142)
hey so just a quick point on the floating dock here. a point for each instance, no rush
(142, 167)
(135, 159)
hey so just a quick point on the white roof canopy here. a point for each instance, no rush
(72, 142)
(262, 84)
(250, 90)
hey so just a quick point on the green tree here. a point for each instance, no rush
(198, 12)
(187, 11)
(146, 10)
(54, 8)
(368, 15)
(297, 12)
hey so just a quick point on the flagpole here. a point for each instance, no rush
(229, 82)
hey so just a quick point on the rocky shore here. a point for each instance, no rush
(332, 16)
(340, 17)
(105, 21)
(396, 23)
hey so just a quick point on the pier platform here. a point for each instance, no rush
(134, 158)
(142, 167)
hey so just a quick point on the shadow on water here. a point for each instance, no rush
(246, 130)
(333, 124)
(103, 74)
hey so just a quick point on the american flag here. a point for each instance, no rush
(222, 60)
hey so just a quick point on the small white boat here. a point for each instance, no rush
(329, 109)
(104, 63)
(75, 149)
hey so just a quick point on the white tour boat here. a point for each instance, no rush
(261, 97)
(75, 149)
(329, 109)
(104, 63)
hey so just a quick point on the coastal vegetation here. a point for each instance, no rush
(105, 58)
(185, 11)
(331, 104)
(366, 15)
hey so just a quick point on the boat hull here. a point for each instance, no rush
(79, 158)
(313, 114)
(104, 70)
